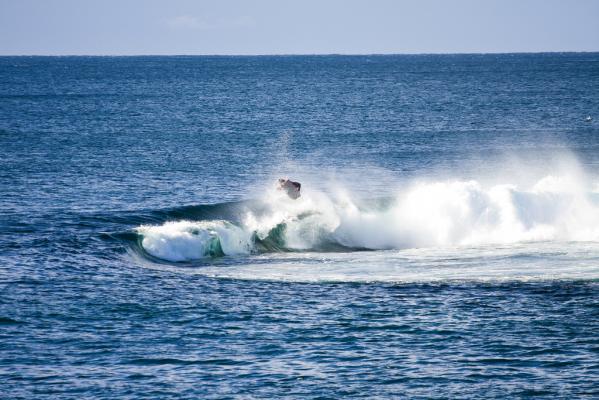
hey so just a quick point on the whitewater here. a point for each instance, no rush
(426, 230)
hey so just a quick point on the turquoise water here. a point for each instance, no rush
(446, 243)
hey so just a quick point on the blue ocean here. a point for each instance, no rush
(445, 243)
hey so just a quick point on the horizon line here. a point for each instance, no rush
(296, 54)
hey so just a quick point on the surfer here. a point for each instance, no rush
(290, 187)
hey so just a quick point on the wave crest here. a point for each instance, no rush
(188, 240)
(426, 214)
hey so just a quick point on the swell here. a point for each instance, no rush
(227, 210)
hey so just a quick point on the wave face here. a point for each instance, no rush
(445, 213)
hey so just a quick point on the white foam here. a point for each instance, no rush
(440, 214)
(527, 262)
(434, 214)
(187, 240)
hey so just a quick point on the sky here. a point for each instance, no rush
(135, 27)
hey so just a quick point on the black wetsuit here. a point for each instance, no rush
(292, 188)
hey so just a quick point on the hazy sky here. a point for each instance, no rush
(296, 27)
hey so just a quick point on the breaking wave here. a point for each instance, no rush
(421, 215)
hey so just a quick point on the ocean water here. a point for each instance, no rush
(446, 243)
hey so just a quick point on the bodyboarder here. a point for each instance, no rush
(290, 187)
